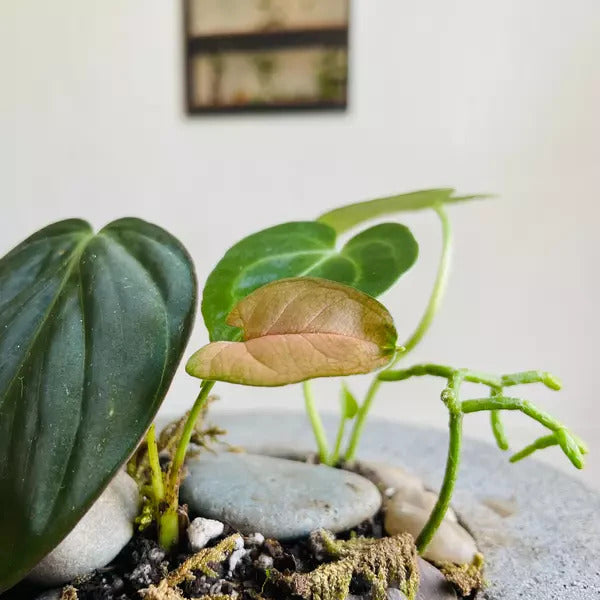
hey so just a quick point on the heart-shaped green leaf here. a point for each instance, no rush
(298, 329)
(91, 330)
(371, 262)
(346, 217)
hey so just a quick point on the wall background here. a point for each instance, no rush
(485, 96)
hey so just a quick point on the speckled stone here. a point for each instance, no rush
(98, 537)
(279, 498)
(547, 549)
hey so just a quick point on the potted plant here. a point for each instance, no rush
(92, 329)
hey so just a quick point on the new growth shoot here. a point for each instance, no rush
(497, 401)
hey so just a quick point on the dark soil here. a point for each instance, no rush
(142, 563)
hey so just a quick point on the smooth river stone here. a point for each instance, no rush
(282, 499)
(98, 537)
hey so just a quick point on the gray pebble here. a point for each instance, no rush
(98, 537)
(282, 499)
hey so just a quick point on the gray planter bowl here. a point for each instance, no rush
(547, 549)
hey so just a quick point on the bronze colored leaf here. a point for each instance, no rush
(297, 329)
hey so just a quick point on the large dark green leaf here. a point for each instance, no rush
(371, 262)
(92, 328)
(346, 217)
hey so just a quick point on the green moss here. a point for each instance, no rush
(167, 589)
(467, 578)
(383, 562)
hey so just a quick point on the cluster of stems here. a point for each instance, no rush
(497, 401)
(362, 413)
(164, 487)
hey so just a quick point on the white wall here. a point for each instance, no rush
(484, 96)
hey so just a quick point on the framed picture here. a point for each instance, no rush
(266, 55)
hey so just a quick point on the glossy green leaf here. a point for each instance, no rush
(92, 328)
(371, 262)
(349, 405)
(347, 217)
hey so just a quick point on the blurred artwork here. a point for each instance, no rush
(262, 55)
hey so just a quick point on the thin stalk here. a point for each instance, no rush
(539, 444)
(439, 287)
(505, 403)
(186, 436)
(573, 448)
(417, 371)
(450, 397)
(435, 299)
(335, 456)
(549, 380)
(361, 419)
(158, 488)
(316, 423)
(498, 430)
(168, 524)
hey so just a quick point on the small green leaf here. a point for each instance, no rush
(92, 328)
(371, 262)
(346, 217)
(298, 329)
(349, 405)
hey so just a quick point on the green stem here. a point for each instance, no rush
(435, 299)
(417, 371)
(570, 445)
(439, 286)
(549, 380)
(505, 403)
(184, 440)
(498, 430)
(335, 456)
(168, 528)
(539, 444)
(158, 489)
(168, 524)
(450, 398)
(315, 421)
(361, 419)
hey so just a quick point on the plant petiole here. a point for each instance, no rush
(316, 423)
(435, 299)
(168, 523)
(158, 489)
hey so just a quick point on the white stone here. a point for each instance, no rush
(255, 539)
(201, 531)
(264, 561)
(451, 542)
(98, 537)
(238, 553)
